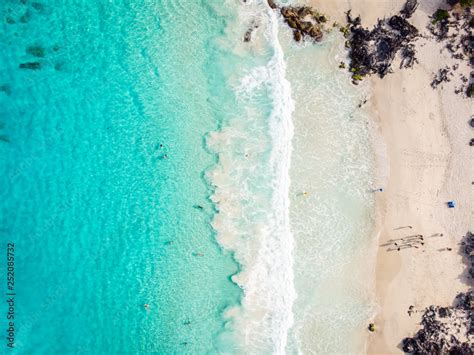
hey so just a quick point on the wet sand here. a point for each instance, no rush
(421, 146)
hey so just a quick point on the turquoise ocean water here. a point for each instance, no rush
(102, 172)
(152, 165)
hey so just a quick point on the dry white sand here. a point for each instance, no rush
(427, 161)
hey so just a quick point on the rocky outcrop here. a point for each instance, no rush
(248, 34)
(443, 76)
(272, 4)
(448, 330)
(409, 8)
(445, 330)
(305, 21)
(453, 27)
(373, 51)
(469, 253)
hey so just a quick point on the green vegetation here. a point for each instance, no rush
(345, 31)
(441, 15)
(357, 77)
(470, 90)
(465, 3)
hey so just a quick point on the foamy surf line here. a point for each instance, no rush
(251, 194)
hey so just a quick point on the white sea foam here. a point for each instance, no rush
(251, 184)
(332, 225)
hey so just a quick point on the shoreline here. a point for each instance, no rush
(425, 135)
(425, 150)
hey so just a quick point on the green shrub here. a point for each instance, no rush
(441, 15)
(470, 91)
(345, 31)
(465, 3)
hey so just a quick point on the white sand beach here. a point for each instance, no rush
(426, 161)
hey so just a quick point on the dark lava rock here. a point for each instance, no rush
(453, 28)
(248, 34)
(441, 325)
(440, 24)
(443, 312)
(408, 56)
(443, 76)
(409, 345)
(403, 26)
(471, 122)
(409, 8)
(31, 65)
(452, 2)
(373, 51)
